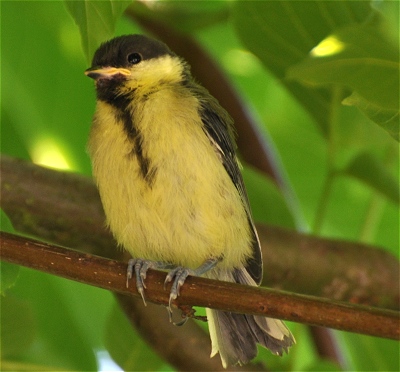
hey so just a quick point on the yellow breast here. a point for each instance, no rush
(191, 210)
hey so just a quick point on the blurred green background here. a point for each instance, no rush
(47, 103)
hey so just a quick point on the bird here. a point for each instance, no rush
(163, 157)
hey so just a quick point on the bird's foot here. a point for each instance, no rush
(178, 277)
(140, 268)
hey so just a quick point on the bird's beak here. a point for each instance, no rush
(106, 72)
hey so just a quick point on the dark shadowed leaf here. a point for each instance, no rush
(185, 16)
(369, 170)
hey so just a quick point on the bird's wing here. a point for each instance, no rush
(218, 128)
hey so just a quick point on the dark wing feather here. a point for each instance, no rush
(218, 128)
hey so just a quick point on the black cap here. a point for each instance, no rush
(115, 52)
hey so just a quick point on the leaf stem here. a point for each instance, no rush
(323, 202)
(331, 157)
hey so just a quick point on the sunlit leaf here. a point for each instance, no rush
(371, 353)
(360, 58)
(282, 33)
(369, 170)
(96, 21)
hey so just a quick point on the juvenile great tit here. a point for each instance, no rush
(163, 157)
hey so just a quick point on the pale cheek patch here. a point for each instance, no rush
(152, 74)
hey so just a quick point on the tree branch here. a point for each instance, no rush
(111, 275)
(65, 208)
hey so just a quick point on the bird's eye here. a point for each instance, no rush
(134, 58)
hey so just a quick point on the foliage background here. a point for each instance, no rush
(48, 323)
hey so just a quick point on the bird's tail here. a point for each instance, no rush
(235, 336)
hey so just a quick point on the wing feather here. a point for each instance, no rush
(218, 127)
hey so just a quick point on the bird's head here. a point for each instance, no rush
(133, 63)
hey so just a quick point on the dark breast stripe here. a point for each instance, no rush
(123, 113)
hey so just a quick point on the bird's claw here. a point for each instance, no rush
(177, 276)
(140, 267)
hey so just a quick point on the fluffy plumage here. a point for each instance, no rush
(163, 156)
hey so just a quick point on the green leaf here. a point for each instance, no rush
(363, 60)
(369, 170)
(8, 272)
(323, 365)
(185, 16)
(360, 58)
(66, 319)
(8, 276)
(282, 33)
(5, 223)
(126, 347)
(371, 353)
(96, 21)
(267, 203)
(388, 119)
(18, 326)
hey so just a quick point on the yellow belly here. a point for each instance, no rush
(191, 211)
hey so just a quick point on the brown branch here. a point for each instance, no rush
(111, 275)
(65, 208)
(336, 269)
(187, 348)
(326, 345)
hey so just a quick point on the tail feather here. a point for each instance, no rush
(272, 334)
(235, 336)
(227, 337)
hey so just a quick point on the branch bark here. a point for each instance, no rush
(65, 208)
(111, 275)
